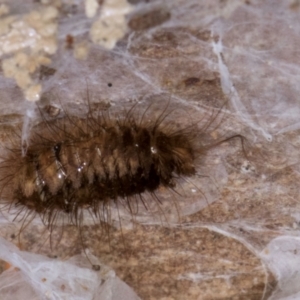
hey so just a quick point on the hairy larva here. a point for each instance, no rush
(76, 164)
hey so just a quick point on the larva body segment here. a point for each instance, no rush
(74, 163)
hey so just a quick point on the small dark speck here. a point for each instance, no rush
(109, 84)
(96, 267)
(191, 81)
(13, 236)
(69, 40)
(46, 72)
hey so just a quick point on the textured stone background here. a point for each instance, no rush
(199, 54)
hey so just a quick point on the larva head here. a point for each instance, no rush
(173, 153)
